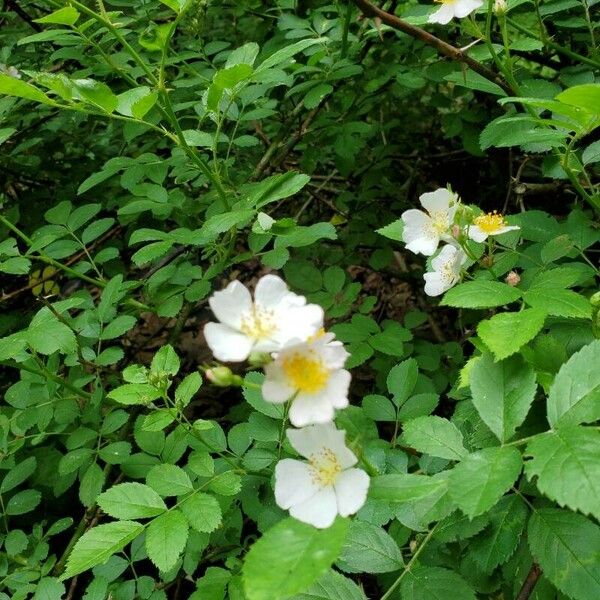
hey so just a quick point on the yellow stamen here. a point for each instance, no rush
(258, 324)
(490, 222)
(325, 468)
(319, 334)
(305, 372)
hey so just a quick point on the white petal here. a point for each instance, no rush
(351, 489)
(435, 284)
(333, 353)
(336, 390)
(275, 388)
(447, 254)
(477, 234)
(462, 8)
(506, 229)
(320, 510)
(313, 439)
(229, 304)
(226, 343)
(439, 201)
(307, 409)
(443, 15)
(418, 233)
(293, 483)
(298, 323)
(270, 291)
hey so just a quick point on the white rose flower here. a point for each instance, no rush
(316, 491)
(265, 325)
(489, 224)
(423, 231)
(311, 375)
(453, 8)
(446, 266)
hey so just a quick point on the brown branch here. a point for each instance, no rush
(532, 578)
(370, 10)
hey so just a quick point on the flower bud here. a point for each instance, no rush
(500, 7)
(222, 377)
(513, 279)
(258, 359)
(456, 231)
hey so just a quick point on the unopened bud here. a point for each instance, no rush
(222, 377)
(456, 231)
(500, 7)
(487, 261)
(513, 279)
(258, 359)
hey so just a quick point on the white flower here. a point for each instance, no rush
(310, 374)
(446, 270)
(316, 491)
(489, 224)
(423, 231)
(265, 325)
(453, 8)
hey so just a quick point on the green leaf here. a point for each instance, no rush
(297, 555)
(566, 463)
(98, 544)
(591, 154)
(401, 380)
(403, 487)
(478, 482)
(586, 96)
(480, 294)
(166, 537)
(502, 392)
(435, 583)
(97, 94)
(169, 480)
(131, 501)
(332, 586)
(288, 52)
(496, 544)
(202, 511)
(5, 133)
(272, 189)
(49, 588)
(393, 231)
(18, 474)
(46, 334)
(559, 303)
(15, 87)
(63, 16)
(575, 394)
(369, 549)
(175, 5)
(188, 388)
(165, 361)
(135, 393)
(475, 81)
(436, 436)
(136, 102)
(378, 408)
(23, 502)
(118, 327)
(567, 547)
(505, 333)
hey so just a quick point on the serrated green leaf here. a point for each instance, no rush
(480, 480)
(169, 480)
(566, 463)
(505, 333)
(131, 501)
(559, 303)
(435, 583)
(403, 487)
(46, 334)
(15, 87)
(63, 16)
(436, 436)
(166, 537)
(135, 393)
(480, 294)
(314, 549)
(202, 511)
(332, 586)
(502, 392)
(98, 544)
(575, 394)
(369, 549)
(567, 547)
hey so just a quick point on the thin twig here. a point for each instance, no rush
(441, 46)
(532, 578)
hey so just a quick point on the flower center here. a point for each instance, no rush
(439, 219)
(325, 467)
(490, 222)
(305, 372)
(258, 324)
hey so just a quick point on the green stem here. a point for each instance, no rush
(418, 551)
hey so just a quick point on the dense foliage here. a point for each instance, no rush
(153, 152)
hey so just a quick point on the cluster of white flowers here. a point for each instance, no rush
(306, 369)
(423, 232)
